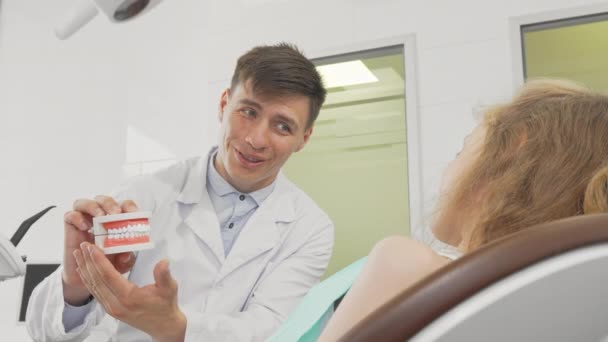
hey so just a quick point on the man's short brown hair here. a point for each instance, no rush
(281, 70)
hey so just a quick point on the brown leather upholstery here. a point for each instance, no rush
(416, 307)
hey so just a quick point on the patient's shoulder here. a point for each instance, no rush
(403, 255)
(393, 265)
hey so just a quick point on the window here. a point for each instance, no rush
(356, 164)
(567, 43)
(573, 48)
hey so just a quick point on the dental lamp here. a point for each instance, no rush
(117, 11)
(11, 264)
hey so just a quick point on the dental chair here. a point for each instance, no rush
(546, 283)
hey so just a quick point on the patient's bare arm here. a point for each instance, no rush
(394, 264)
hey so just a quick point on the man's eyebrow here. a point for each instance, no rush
(249, 102)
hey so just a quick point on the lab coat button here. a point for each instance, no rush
(242, 197)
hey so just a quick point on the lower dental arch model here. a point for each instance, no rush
(125, 232)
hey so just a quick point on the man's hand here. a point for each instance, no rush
(76, 225)
(152, 308)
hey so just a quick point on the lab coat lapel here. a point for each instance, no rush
(202, 219)
(203, 222)
(261, 233)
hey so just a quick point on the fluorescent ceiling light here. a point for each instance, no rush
(346, 74)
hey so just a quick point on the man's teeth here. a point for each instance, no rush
(250, 159)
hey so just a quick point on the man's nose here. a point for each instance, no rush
(257, 137)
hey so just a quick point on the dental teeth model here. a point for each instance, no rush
(122, 232)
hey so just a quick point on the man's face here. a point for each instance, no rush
(258, 134)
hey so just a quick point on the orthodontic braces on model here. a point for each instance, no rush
(120, 233)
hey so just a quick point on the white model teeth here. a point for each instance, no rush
(129, 231)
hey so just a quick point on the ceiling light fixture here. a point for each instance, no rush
(346, 74)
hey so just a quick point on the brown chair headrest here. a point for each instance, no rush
(417, 306)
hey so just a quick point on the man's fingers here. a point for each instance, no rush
(128, 206)
(102, 205)
(108, 204)
(123, 262)
(95, 283)
(83, 271)
(89, 207)
(78, 220)
(162, 275)
(104, 272)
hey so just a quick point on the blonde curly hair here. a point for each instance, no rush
(544, 157)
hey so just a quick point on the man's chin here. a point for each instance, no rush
(252, 180)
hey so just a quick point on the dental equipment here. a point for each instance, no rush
(117, 11)
(11, 263)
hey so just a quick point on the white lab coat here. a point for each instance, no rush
(279, 255)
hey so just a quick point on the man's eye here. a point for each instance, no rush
(248, 112)
(284, 127)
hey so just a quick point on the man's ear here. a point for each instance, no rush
(307, 134)
(224, 99)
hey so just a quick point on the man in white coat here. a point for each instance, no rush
(237, 244)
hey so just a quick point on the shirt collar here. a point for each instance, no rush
(194, 189)
(222, 188)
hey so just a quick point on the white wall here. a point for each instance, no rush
(65, 106)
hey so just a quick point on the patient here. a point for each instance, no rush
(541, 157)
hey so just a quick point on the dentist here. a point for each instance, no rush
(237, 245)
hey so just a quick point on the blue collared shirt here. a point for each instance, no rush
(232, 207)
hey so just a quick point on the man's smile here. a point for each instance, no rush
(248, 160)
